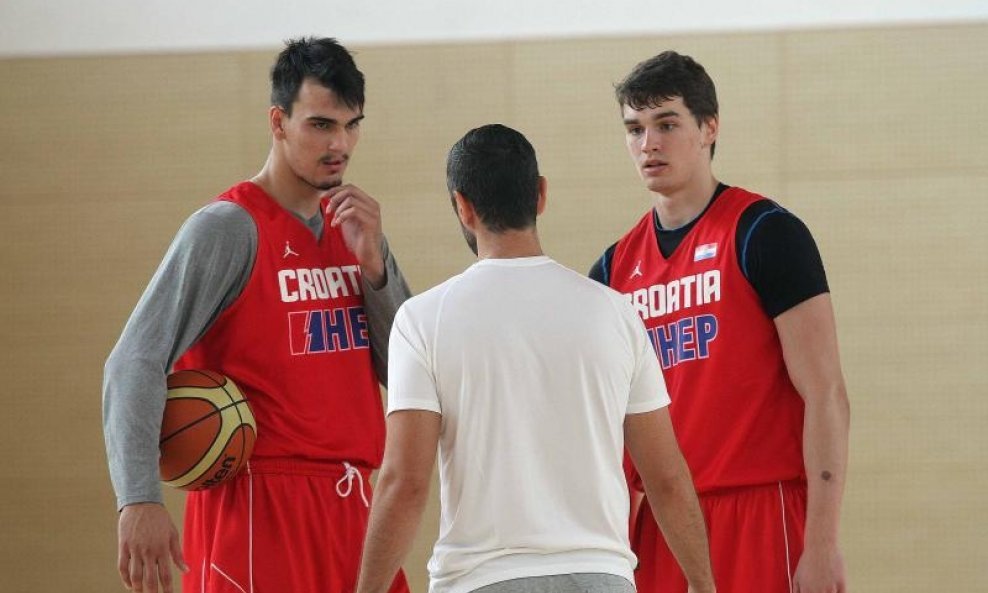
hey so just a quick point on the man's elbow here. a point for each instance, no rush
(673, 481)
(830, 401)
(403, 485)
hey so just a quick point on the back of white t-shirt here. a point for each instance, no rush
(533, 368)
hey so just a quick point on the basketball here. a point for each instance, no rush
(207, 431)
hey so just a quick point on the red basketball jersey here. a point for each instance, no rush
(737, 416)
(296, 342)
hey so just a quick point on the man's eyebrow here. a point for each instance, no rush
(330, 120)
(662, 114)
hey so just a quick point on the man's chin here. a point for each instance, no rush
(325, 184)
(328, 185)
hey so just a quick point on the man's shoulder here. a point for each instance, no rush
(219, 225)
(736, 191)
(428, 302)
(222, 217)
(754, 203)
(223, 212)
(586, 293)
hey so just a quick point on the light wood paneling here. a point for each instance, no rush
(875, 137)
(885, 102)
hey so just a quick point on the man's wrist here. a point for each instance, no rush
(819, 546)
(375, 276)
(137, 505)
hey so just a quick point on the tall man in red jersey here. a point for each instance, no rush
(733, 294)
(286, 284)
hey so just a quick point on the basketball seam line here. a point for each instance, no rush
(201, 418)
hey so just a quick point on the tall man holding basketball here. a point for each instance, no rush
(240, 292)
(733, 294)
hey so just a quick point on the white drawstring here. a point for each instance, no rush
(351, 472)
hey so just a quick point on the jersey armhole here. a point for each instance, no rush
(601, 270)
(748, 234)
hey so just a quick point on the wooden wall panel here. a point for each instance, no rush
(885, 102)
(875, 137)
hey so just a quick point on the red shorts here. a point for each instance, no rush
(281, 525)
(756, 539)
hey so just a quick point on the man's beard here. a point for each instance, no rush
(323, 186)
(326, 186)
(471, 239)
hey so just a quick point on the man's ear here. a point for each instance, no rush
(543, 193)
(276, 120)
(464, 210)
(711, 130)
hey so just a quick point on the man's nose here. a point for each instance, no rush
(651, 141)
(339, 141)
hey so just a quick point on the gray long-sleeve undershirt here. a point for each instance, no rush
(204, 271)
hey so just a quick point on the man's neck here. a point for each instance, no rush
(285, 188)
(509, 244)
(678, 208)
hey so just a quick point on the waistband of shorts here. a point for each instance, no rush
(796, 484)
(304, 467)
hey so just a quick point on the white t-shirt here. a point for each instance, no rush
(533, 368)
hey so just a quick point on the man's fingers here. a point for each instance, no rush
(338, 195)
(341, 201)
(148, 542)
(123, 566)
(334, 191)
(177, 557)
(150, 580)
(362, 212)
(346, 212)
(334, 201)
(136, 572)
(164, 571)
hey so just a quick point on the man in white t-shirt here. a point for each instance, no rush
(531, 379)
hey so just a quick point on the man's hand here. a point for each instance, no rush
(148, 541)
(820, 571)
(360, 218)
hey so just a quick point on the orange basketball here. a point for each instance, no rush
(207, 432)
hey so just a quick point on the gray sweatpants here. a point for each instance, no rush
(586, 582)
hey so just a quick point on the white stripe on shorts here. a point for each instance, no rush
(785, 536)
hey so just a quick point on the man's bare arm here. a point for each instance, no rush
(650, 439)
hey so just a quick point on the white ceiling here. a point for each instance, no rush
(59, 27)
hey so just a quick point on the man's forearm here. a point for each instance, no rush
(394, 519)
(825, 444)
(677, 511)
(381, 304)
(652, 444)
(133, 400)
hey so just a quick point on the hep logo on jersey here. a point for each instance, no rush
(327, 330)
(683, 340)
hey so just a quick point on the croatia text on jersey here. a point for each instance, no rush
(318, 284)
(664, 299)
(328, 330)
(686, 338)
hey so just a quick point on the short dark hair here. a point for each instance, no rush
(323, 59)
(667, 76)
(495, 169)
